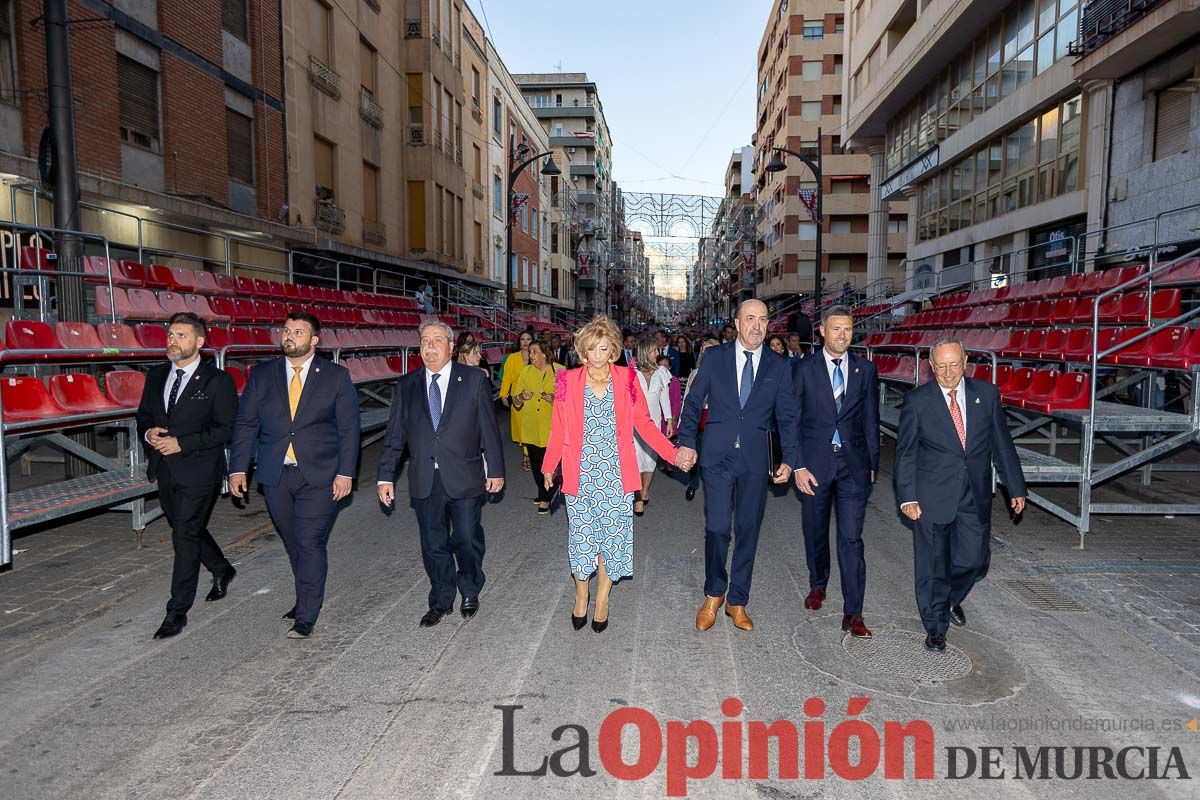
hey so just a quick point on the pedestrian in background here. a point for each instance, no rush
(533, 396)
(655, 381)
(510, 371)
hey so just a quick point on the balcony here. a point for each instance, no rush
(331, 218)
(416, 135)
(586, 198)
(587, 168)
(435, 36)
(477, 190)
(571, 141)
(374, 232)
(476, 112)
(1104, 19)
(572, 112)
(324, 78)
(412, 29)
(369, 109)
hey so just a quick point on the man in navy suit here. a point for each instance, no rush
(952, 430)
(748, 390)
(299, 417)
(445, 415)
(838, 456)
(663, 341)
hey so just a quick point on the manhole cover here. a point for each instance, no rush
(902, 653)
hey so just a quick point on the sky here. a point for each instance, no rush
(676, 77)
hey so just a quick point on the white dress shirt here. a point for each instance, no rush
(188, 373)
(740, 362)
(443, 384)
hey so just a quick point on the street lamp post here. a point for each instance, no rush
(776, 164)
(514, 171)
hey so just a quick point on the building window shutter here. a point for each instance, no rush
(239, 136)
(137, 90)
(1172, 123)
(323, 165)
(233, 18)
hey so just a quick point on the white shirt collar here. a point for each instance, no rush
(188, 371)
(444, 372)
(291, 368)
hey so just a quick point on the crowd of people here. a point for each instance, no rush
(596, 416)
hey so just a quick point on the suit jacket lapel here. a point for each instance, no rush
(450, 391)
(947, 424)
(312, 383)
(191, 387)
(974, 419)
(422, 398)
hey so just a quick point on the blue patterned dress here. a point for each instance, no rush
(600, 517)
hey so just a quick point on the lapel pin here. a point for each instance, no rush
(460, 378)
(316, 369)
(976, 401)
(856, 370)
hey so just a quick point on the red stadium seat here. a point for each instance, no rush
(26, 334)
(1186, 357)
(1040, 390)
(24, 398)
(1084, 307)
(1078, 346)
(239, 377)
(396, 364)
(150, 336)
(133, 271)
(1165, 304)
(262, 288)
(983, 372)
(1018, 383)
(79, 394)
(185, 279)
(117, 305)
(1110, 309)
(1015, 342)
(276, 290)
(224, 308)
(245, 285)
(1055, 287)
(1053, 345)
(1073, 286)
(263, 337)
(77, 336)
(240, 336)
(291, 293)
(1142, 354)
(117, 335)
(217, 338)
(278, 312)
(1091, 282)
(173, 303)
(244, 310)
(1071, 390)
(1003, 372)
(162, 275)
(1186, 271)
(39, 258)
(262, 312)
(225, 284)
(144, 305)
(199, 305)
(125, 386)
(97, 272)
(206, 282)
(1129, 350)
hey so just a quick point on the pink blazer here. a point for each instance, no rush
(566, 427)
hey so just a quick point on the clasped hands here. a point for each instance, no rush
(160, 441)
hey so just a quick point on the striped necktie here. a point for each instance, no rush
(839, 392)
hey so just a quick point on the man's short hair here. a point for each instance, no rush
(199, 328)
(304, 316)
(836, 311)
(434, 322)
(944, 340)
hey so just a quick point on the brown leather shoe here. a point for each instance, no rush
(814, 599)
(741, 620)
(706, 617)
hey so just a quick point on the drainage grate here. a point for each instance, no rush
(1041, 595)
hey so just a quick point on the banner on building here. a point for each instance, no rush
(518, 202)
(808, 197)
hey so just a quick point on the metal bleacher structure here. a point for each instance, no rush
(59, 378)
(1062, 350)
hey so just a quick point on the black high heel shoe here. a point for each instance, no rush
(598, 627)
(578, 622)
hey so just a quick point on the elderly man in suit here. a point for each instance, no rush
(838, 457)
(186, 419)
(299, 417)
(748, 391)
(445, 416)
(952, 430)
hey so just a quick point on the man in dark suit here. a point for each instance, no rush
(628, 350)
(186, 418)
(299, 419)
(444, 414)
(838, 456)
(663, 341)
(952, 430)
(748, 390)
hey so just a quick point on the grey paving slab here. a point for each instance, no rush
(374, 707)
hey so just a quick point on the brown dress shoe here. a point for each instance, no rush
(854, 625)
(814, 599)
(741, 620)
(706, 617)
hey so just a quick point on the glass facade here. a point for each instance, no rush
(1023, 41)
(1037, 160)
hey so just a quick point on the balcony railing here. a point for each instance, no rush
(476, 112)
(374, 232)
(331, 218)
(477, 190)
(1103, 19)
(412, 29)
(324, 78)
(416, 135)
(369, 109)
(458, 153)
(435, 35)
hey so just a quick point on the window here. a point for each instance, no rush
(370, 193)
(233, 18)
(839, 24)
(533, 224)
(810, 111)
(814, 30)
(807, 232)
(239, 142)
(478, 161)
(1172, 121)
(840, 226)
(367, 58)
(525, 217)
(322, 32)
(323, 168)
(811, 70)
(554, 238)
(897, 225)
(416, 112)
(416, 215)
(497, 114)
(8, 62)
(474, 87)
(137, 92)
(497, 196)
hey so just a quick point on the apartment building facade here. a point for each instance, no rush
(1015, 139)
(799, 106)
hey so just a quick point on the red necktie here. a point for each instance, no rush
(956, 415)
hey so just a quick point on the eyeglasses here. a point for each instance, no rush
(947, 369)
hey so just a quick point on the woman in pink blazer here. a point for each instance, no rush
(597, 408)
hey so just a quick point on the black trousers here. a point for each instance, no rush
(187, 509)
(452, 544)
(536, 456)
(948, 561)
(304, 515)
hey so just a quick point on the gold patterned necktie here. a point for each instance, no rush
(294, 389)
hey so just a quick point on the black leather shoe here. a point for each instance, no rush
(291, 614)
(172, 625)
(935, 643)
(690, 494)
(578, 622)
(958, 616)
(469, 607)
(301, 630)
(220, 586)
(433, 616)
(598, 626)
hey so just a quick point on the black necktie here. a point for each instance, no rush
(174, 391)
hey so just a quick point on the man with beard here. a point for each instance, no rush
(186, 419)
(299, 418)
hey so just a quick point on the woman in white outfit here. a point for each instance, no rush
(656, 385)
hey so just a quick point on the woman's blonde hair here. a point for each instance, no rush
(647, 354)
(600, 329)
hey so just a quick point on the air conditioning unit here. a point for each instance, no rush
(571, 150)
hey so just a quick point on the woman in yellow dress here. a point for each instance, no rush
(510, 371)
(534, 397)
